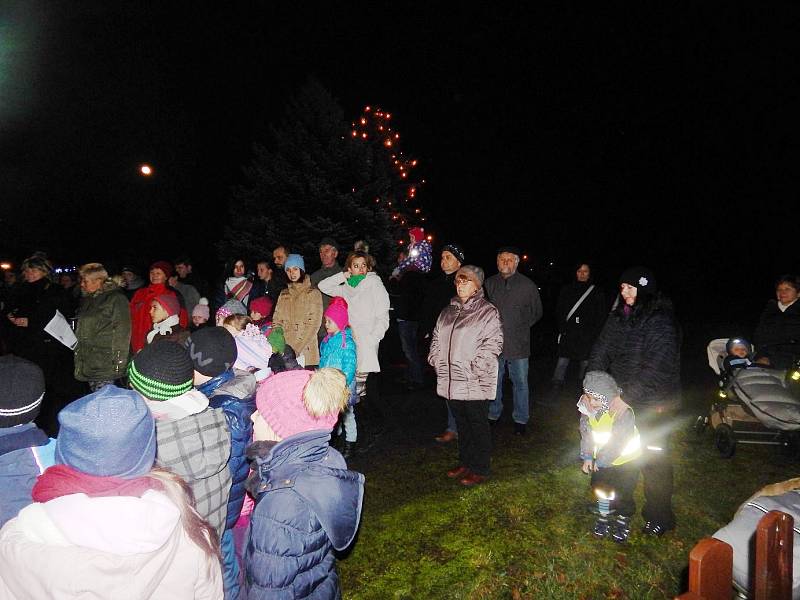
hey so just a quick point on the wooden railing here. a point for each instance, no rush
(711, 564)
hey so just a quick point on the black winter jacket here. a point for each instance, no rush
(641, 351)
(437, 295)
(778, 334)
(580, 331)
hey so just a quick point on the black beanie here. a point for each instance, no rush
(212, 350)
(641, 278)
(21, 391)
(456, 250)
(162, 370)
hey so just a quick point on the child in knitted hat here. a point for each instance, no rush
(308, 503)
(610, 447)
(165, 314)
(103, 521)
(338, 350)
(25, 450)
(193, 439)
(231, 307)
(200, 315)
(419, 254)
(740, 355)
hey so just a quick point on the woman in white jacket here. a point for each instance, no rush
(368, 309)
(104, 523)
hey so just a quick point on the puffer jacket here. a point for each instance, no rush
(308, 505)
(368, 309)
(299, 313)
(104, 335)
(641, 352)
(339, 351)
(465, 345)
(25, 452)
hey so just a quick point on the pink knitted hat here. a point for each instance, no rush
(337, 312)
(279, 400)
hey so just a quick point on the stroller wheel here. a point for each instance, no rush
(700, 424)
(725, 441)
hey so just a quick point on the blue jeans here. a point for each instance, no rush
(518, 371)
(408, 340)
(451, 420)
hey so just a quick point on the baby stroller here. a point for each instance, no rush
(756, 405)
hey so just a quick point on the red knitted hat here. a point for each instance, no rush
(164, 266)
(262, 305)
(169, 302)
(418, 233)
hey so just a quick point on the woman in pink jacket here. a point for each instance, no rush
(103, 522)
(465, 345)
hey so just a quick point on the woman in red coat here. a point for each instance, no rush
(141, 322)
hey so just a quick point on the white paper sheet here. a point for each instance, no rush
(59, 328)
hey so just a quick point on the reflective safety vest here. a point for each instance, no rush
(601, 434)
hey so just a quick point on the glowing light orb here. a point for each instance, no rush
(146, 170)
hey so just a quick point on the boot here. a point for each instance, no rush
(621, 529)
(602, 527)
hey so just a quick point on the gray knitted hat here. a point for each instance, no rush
(601, 385)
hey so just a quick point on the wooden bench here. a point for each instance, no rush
(711, 563)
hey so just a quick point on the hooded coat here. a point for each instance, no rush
(104, 334)
(465, 345)
(120, 547)
(141, 322)
(368, 310)
(299, 313)
(25, 452)
(308, 505)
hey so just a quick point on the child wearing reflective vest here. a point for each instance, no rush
(610, 447)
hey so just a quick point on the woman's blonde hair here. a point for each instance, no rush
(238, 322)
(368, 258)
(93, 271)
(199, 531)
(326, 393)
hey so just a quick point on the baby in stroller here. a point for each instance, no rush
(739, 354)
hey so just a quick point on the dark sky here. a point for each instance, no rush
(644, 135)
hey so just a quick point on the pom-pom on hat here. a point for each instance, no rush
(337, 312)
(212, 350)
(164, 266)
(294, 260)
(170, 303)
(642, 278)
(110, 433)
(280, 402)
(21, 391)
(456, 250)
(161, 371)
(201, 309)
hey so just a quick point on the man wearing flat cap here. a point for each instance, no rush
(517, 299)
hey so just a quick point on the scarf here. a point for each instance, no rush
(782, 307)
(238, 287)
(163, 328)
(354, 280)
(62, 480)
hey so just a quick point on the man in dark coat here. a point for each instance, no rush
(517, 298)
(328, 254)
(581, 312)
(436, 296)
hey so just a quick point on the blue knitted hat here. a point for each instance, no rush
(294, 260)
(110, 433)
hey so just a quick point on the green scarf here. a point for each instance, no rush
(354, 280)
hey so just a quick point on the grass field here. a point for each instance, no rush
(526, 533)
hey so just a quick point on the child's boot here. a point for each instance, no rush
(621, 529)
(602, 527)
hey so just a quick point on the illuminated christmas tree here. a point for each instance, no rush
(316, 178)
(375, 129)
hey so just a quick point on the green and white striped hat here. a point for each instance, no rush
(162, 370)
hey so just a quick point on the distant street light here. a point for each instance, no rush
(146, 170)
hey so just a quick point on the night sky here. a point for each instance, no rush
(648, 135)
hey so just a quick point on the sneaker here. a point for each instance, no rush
(602, 527)
(472, 479)
(655, 528)
(621, 529)
(458, 472)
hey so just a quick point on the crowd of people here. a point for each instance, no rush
(206, 449)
